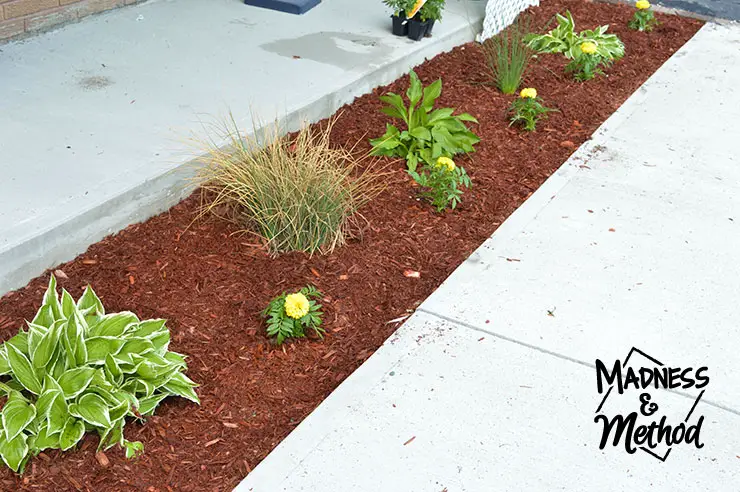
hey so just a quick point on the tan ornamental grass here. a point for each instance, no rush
(297, 192)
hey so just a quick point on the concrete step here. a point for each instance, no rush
(94, 117)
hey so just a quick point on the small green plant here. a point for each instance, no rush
(79, 370)
(442, 182)
(507, 56)
(644, 18)
(528, 109)
(429, 133)
(586, 64)
(290, 315)
(432, 10)
(296, 192)
(563, 39)
(397, 6)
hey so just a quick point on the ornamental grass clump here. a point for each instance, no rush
(442, 182)
(507, 56)
(298, 193)
(78, 370)
(291, 315)
(644, 18)
(528, 109)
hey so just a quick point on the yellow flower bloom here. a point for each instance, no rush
(446, 162)
(296, 305)
(528, 93)
(642, 5)
(588, 48)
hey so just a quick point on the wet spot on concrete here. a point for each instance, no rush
(94, 83)
(340, 49)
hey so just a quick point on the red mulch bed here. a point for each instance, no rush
(212, 285)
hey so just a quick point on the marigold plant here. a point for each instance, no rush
(644, 18)
(527, 109)
(290, 315)
(442, 182)
(77, 370)
(587, 63)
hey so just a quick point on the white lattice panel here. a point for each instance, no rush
(500, 14)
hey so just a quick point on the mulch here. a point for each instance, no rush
(211, 284)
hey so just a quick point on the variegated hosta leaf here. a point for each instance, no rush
(78, 368)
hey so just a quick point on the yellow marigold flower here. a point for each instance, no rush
(588, 48)
(296, 305)
(446, 162)
(528, 93)
(642, 5)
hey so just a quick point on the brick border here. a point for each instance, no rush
(23, 18)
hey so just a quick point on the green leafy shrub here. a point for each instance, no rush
(442, 183)
(432, 10)
(527, 109)
(563, 39)
(397, 6)
(429, 133)
(290, 315)
(507, 56)
(296, 192)
(79, 370)
(644, 18)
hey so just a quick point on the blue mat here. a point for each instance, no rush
(290, 6)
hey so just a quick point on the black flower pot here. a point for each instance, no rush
(400, 26)
(430, 25)
(417, 29)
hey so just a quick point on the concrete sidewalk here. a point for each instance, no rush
(95, 116)
(491, 384)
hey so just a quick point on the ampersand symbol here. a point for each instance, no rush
(646, 407)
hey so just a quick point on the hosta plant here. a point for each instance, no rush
(77, 369)
(291, 315)
(644, 18)
(427, 133)
(563, 39)
(528, 109)
(442, 182)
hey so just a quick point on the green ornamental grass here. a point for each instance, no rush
(77, 370)
(507, 56)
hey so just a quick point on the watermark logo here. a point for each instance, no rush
(647, 427)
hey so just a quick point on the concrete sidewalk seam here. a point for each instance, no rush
(463, 324)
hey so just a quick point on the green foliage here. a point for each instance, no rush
(442, 183)
(397, 5)
(563, 39)
(432, 10)
(643, 20)
(281, 326)
(79, 370)
(527, 111)
(429, 133)
(507, 56)
(298, 193)
(586, 66)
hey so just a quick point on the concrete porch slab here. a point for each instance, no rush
(95, 116)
